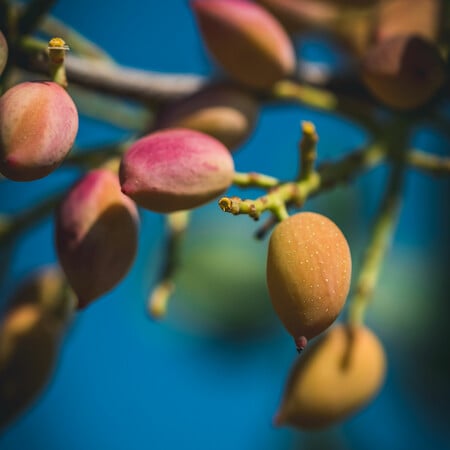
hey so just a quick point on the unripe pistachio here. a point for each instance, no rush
(47, 288)
(224, 112)
(3, 52)
(403, 72)
(176, 169)
(397, 17)
(96, 235)
(28, 345)
(336, 376)
(308, 273)
(246, 40)
(38, 125)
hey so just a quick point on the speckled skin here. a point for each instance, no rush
(403, 72)
(308, 273)
(223, 112)
(246, 40)
(96, 235)
(38, 125)
(3, 52)
(336, 376)
(176, 169)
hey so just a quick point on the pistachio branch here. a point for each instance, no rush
(296, 192)
(165, 286)
(436, 165)
(326, 100)
(117, 112)
(147, 87)
(312, 96)
(140, 85)
(13, 226)
(381, 238)
(96, 156)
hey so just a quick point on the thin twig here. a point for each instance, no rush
(165, 286)
(436, 165)
(296, 193)
(13, 226)
(381, 238)
(140, 85)
(254, 179)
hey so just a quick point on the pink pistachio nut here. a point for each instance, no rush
(226, 113)
(3, 52)
(38, 125)
(176, 169)
(96, 235)
(246, 40)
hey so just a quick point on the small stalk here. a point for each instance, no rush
(295, 193)
(382, 234)
(57, 49)
(432, 164)
(308, 150)
(254, 179)
(177, 223)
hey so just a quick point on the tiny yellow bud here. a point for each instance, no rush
(57, 43)
(308, 128)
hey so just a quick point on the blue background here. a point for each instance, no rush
(198, 380)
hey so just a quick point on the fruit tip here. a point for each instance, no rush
(300, 343)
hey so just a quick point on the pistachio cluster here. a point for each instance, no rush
(184, 159)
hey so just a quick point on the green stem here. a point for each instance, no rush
(96, 156)
(56, 55)
(117, 112)
(297, 192)
(311, 96)
(433, 164)
(325, 100)
(140, 85)
(253, 179)
(177, 224)
(13, 226)
(280, 212)
(308, 150)
(381, 238)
